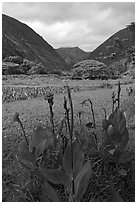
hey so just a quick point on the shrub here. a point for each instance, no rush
(37, 69)
(11, 68)
(14, 59)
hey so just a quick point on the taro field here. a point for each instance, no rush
(25, 95)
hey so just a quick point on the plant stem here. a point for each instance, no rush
(51, 118)
(96, 140)
(92, 110)
(113, 101)
(80, 121)
(23, 130)
(52, 122)
(105, 112)
(71, 109)
(67, 113)
(71, 140)
(118, 98)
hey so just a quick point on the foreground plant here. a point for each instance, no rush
(31, 156)
(77, 168)
(75, 173)
(49, 97)
(17, 119)
(79, 174)
(115, 131)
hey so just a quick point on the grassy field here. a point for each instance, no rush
(35, 111)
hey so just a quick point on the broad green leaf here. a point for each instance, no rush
(26, 166)
(57, 177)
(25, 154)
(44, 198)
(39, 135)
(114, 196)
(81, 181)
(126, 156)
(125, 139)
(67, 162)
(49, 193)
(110, 119)
(78, 158)
(114, 135)
(41, 147)
(119, 121)
(106, 139)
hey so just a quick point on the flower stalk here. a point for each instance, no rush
(118, 97)
(17, 119)
(49, 97)
(71, 140)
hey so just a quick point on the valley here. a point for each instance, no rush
(58, 99)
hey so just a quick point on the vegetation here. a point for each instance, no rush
(89, 69)
(115, 48)
(63, 163)
(75, 155)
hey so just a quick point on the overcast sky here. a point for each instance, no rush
(71, 24)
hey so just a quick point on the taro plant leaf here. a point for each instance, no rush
(81, 181)
(38, 136)
(114, 135)
(125, 139)
(44, 198)
(49, 193)
(119, 121)
(114, 196)
(78, 158)
(106, 139)
(110, 119)
(126, 157)
(25, 154)
(26, 166)
(41, 147)
(67, 164)
(57, 177)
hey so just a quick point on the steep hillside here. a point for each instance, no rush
(72, 55)
(18, 39)
(115, 48)
(117, 53)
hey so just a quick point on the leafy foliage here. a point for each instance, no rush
(80, 168)
(78, 159)
(81, 182)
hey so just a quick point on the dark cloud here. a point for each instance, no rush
(83, 24)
